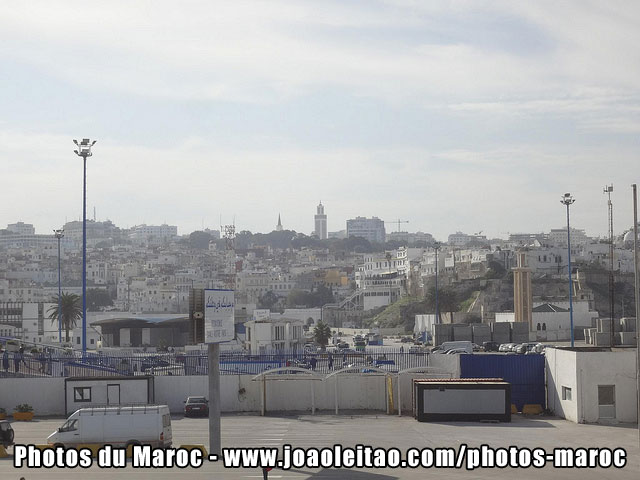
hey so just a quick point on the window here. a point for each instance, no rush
(69, 426)
(538, 326)
(81, 394)
(606, 395)
(566, 393)
(607, 401)
(544, 326)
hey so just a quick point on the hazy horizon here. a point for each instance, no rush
(456, 116)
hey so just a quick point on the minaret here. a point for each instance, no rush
(522, 300)
(279, 226)
(320, 222)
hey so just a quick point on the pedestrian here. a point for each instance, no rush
(16, 361)
(313, 362)
(330, 357)
(5, 361)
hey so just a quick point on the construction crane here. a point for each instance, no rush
(399, 222)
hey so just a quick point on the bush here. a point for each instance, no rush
(23, 408)
(2, 410)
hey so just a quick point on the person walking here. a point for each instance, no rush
(330, 358)
(17, 356)
(5, 361)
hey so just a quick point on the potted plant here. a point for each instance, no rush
(23, 412)
(3, 413)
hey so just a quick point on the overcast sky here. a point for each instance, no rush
(470, 115)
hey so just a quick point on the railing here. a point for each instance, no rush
(14, 364)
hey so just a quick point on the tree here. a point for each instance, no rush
(70, 313)
(268, 300)
(447, 300)
(199, 240)
(322, 333)
(97, 298)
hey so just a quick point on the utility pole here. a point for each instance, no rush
(637, 295)
(436, 246)
(84, 151)
(568, 200)
(607, 190)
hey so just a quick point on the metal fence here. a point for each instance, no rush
(16, 364)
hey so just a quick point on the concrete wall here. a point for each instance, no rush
(561, 371)
(608, 368)
(45, 395)
(583, 371)
(240, 394)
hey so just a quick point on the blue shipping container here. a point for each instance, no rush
(525, 373)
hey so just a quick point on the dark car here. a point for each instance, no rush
(6, 434)
(491, 346)
(196, 406)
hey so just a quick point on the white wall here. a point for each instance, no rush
(608, 368)
(238, 392)
(45, 395)
(561, 371)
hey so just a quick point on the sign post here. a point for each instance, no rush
(218, 328)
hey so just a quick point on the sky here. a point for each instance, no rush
(452, 115)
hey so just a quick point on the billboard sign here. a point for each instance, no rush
(218, 315)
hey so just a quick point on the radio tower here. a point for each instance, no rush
(608, 190)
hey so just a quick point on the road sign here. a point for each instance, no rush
(218, 315)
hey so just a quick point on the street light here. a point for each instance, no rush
(59, 234)
(567, 200)
(436, 246)
(84, 151)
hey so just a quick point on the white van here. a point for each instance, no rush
(117, 426)
(462, 346)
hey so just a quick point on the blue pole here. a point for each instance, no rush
(84, 255)
(570, 278)
(59, 297)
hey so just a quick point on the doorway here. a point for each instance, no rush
(113, 394)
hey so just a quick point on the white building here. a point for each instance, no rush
(267, 335)
(558, 237)
(552, 322)
(592, 385)
(371, 229)
(382, 278)
(21, 228)
(155, 232)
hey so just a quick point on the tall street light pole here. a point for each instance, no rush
(84, 151)
(59, 234)
(637, 294)
(436, 246)
(607, 190)
(567, 200)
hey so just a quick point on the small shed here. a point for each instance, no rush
(80, 392)
(471, 399)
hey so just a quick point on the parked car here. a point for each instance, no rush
(196, 406)
(491, 346)
(117, 426)
(476, 347)
(506, 347)
(455, 351)
(342, 345)
(6, 434)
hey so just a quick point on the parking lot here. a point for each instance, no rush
(375, 430)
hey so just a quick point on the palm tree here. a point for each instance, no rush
(322, 333)
(71, 311)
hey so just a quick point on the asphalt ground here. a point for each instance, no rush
(325, 430)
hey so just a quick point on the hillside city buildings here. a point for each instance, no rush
(152, 270)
